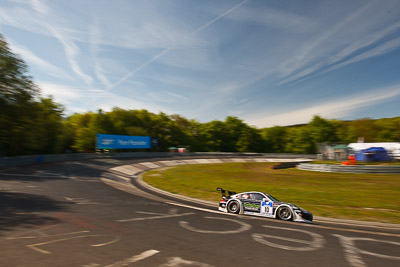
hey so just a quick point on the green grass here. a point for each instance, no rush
(372, 197)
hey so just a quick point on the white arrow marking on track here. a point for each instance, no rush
(317, 242)
(244, 227)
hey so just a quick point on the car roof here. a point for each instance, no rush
(249, 192)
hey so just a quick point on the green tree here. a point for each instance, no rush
(387, 130)
(275, 139)
(83, 129)
(21, 109)
(363, 128)
(184, 131)
(250, 140)
(321, 130)
(102, 123)
(234, 129)
(212, 135)
(299, 140)
(49, 127)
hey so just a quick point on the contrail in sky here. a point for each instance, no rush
(166, 50)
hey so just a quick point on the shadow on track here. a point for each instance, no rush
(21, 209)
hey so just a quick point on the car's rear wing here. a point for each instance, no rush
(224, 192)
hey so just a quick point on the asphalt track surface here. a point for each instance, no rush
(71, 214)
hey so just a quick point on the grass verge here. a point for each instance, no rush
(369, 197)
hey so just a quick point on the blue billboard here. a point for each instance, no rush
(110, 141)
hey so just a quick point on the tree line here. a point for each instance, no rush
(33, 124)
(230, 135)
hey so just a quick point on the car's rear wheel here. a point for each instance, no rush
(284, 214)
(233, 207)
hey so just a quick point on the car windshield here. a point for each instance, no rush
(272, 198)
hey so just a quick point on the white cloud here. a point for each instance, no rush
(101, 75)
(202, 59)
(40, 7)
(382, 49)
(349, 56)
(364, 42)
(169, 48)
(30, 57)
(41, 19)
(59, 92)
(71, 51)
(273, 17)
(22, 18)
(313, 48)
(178, 96)
(167, 97)
(83, 99)
(188, 83)
(337, 108)
(137, 69)
(95, 37)
(207, 56)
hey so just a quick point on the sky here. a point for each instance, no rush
(266, 62)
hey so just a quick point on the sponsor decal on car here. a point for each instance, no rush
(249, 206)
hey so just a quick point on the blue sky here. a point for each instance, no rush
(265, 62)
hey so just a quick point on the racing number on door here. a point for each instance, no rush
(266, 207)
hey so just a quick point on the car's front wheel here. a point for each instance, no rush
(284, 214)
(233, 207)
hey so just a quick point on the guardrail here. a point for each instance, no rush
(349, 168)
(6, 162)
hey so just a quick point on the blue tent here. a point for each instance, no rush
(372, 154)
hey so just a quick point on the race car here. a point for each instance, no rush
(261, 204)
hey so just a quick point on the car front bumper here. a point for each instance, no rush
(303, 216)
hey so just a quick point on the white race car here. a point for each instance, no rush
(261, 204)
